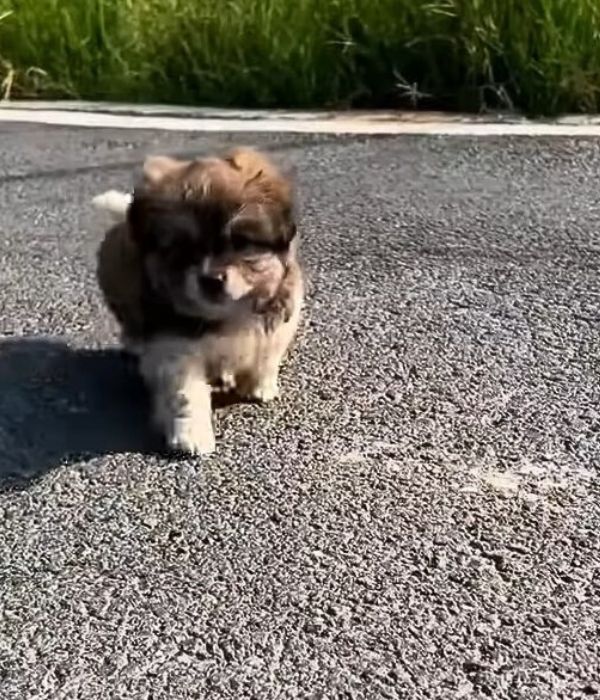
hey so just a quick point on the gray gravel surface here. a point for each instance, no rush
(417, 517)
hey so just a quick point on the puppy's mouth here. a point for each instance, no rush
(205, 308)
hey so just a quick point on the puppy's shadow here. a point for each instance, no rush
(59, 404)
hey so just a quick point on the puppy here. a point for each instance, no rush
(202, 274)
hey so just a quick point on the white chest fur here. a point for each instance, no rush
(182, 373)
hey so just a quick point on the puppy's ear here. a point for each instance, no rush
(152, 221)
(260, 174)
(157, 168)
(137, 219)
(266, 185)
(248, 162)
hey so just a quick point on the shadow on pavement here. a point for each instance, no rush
(59, 404)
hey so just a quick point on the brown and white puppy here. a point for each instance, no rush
(203, 278)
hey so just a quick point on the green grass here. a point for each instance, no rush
(541, 56)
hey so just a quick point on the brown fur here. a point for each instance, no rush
(243, 189)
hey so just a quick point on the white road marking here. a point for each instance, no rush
(122, 116)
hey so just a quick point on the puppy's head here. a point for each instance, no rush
(214, 234)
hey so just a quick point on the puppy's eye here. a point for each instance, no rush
(240, 241)
(169, 232)
(178, 258)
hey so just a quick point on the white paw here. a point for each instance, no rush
(191, 437)
(228, 381)
(267, 390)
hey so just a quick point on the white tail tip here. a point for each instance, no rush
(115, 203)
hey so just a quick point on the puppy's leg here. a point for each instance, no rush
(182, 400)
(278, 334)
(188, 422)
(262, 383)
(266, 387)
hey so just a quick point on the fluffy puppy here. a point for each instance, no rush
(203, 277)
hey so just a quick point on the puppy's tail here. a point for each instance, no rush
(115, 203)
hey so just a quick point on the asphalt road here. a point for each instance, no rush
(417, 517)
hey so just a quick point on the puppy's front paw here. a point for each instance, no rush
(191, 437)
(227, 381)
(266, 390)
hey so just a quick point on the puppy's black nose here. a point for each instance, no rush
(212, 285)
